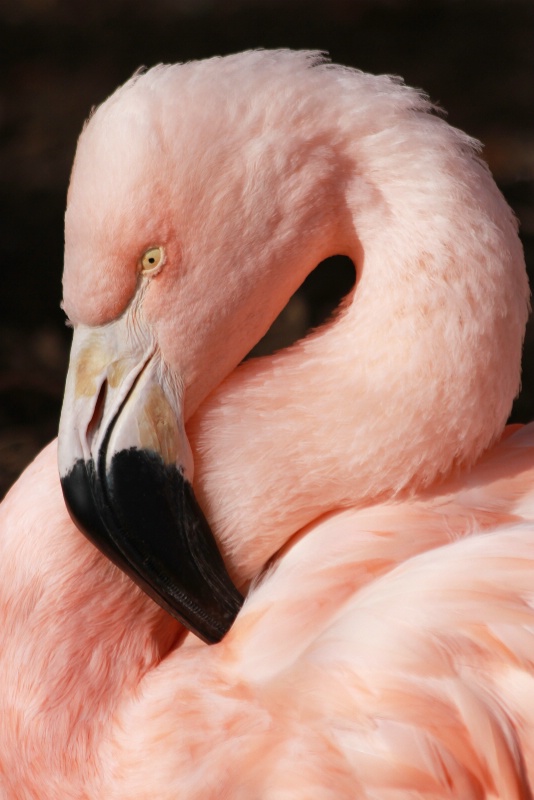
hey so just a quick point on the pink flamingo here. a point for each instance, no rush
(358, 486)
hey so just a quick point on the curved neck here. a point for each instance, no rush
(394, 393)
(77, 641)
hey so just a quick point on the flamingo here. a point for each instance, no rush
(338, 536)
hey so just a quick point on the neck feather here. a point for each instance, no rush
(413, 379)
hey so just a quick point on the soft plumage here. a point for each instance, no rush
(355, 483)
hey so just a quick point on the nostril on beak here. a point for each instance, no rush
(94, 422)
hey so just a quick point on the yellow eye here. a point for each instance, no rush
(152, 260)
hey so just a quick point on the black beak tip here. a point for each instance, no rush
(143, 515)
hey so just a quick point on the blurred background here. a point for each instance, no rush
(475, 58)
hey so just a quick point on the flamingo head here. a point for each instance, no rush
(170, 262)
(201, 197)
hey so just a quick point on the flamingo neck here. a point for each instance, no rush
(79, 640)
(390, 397)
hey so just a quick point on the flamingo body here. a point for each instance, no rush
(358, 485)
(411, 671)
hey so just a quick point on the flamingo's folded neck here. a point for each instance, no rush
(393, 394)
(79, 638)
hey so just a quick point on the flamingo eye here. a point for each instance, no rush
(152, 261)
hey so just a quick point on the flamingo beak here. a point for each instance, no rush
(126, 468)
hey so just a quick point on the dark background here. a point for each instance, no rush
(60, 57)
